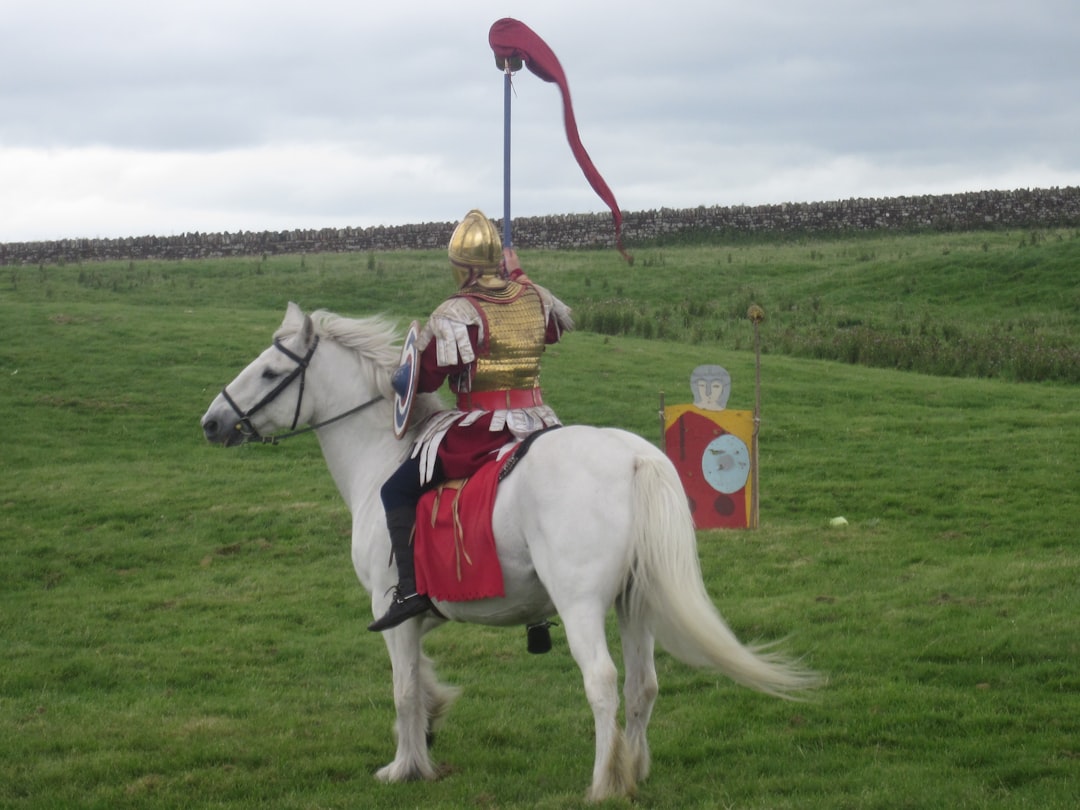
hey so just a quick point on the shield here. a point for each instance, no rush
(410, 360)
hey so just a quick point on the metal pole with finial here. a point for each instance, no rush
(509, 66)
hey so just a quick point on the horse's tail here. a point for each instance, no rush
(666, 590)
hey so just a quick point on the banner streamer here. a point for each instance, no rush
(513, 40)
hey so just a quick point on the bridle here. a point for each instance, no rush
(248, 431)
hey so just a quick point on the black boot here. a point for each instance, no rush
(406, 602)
(539, 637)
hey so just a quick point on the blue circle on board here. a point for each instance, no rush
(726, 463)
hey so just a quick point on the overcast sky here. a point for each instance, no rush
(144, 117)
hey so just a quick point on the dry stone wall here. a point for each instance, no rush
(1024, 208)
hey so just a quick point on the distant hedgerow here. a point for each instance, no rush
(946, 351)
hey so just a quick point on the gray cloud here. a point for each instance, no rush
(130, 117)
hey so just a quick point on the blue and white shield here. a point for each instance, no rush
(408, 371)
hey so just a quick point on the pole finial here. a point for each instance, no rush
(508, 64)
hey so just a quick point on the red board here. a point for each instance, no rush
(711, 451)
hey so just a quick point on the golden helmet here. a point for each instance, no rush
(475, 246)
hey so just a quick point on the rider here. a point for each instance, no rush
(487, 340)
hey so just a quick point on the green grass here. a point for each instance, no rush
(182, 628)
(998, 304)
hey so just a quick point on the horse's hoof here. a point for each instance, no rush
(406, 772)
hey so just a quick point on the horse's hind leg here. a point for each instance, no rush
(612, 772)
(640, 688)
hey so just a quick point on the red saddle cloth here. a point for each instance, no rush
(454, 542)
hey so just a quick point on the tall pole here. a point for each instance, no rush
(756, 315)
(507, 87)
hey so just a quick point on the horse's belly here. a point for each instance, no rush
(526, 602)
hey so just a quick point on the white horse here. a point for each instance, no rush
(590, 518)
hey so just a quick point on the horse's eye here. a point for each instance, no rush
(270, 374)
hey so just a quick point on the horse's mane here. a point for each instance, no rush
(375, 339)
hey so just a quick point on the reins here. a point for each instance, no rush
(248, 430)
(330, 421)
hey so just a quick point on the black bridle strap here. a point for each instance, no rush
(324, 423)
(301, 370)
(244, 425)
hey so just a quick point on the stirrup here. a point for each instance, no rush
(401, 609)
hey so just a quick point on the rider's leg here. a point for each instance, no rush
(400, 494)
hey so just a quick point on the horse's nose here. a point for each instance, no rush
(211, 428)
(224, 430)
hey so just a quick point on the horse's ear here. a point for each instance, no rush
(297, 322)
(294, 316)
(307, 333)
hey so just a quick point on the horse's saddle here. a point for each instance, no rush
(455, 553)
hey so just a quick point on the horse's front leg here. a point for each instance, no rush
(411, 727)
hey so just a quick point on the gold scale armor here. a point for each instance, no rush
(515, 339)
(505, 314)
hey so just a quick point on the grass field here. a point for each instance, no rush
(182, 628)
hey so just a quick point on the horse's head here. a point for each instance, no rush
(269, 393)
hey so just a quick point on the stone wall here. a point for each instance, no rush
(1025, 208)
